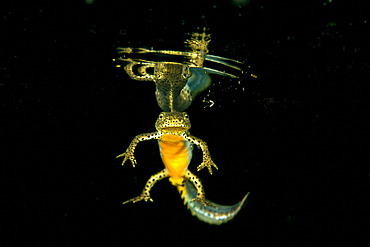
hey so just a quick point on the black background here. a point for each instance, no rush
(294, 136)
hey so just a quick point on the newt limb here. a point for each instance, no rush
(145, 194)
(201, 197)
(207, 160)
(129, 153)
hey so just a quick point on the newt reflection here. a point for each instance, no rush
(177, 83)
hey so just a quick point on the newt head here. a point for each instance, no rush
(178, 122)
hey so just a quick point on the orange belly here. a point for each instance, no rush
(176, 155)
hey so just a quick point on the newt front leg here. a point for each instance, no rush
(142, 71)
(129, 153)
(207, 160)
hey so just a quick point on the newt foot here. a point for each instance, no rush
(207, 163)
(128, 155)
(139, 198)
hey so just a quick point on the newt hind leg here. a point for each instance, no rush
(145, 194)
(201, 197)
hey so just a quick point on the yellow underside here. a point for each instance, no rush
(175, 157)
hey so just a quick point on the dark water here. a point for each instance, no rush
(294, 136)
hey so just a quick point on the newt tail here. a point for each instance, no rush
(210, 213)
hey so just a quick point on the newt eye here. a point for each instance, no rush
(160, 116)
(186, 116)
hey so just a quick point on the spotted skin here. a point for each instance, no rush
(171, 80)
(145, 195)
(179, 81)
(177, 84)
(171, 124)
(175, 144)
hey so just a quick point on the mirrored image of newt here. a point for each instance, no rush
(174, 93)
(177, 82)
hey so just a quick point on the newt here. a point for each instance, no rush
(176, 149)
